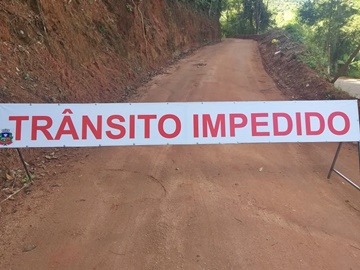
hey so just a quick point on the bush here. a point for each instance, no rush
(296, 31)
(354, 70)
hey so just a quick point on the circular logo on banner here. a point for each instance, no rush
(6, 137)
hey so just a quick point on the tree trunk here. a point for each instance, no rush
(329, 59)
(328, 45)
(346, 65)
(257, 16)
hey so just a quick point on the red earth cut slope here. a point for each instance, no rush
(91, 51)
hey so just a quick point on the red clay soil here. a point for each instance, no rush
(88, 51)
(240, 207)
(247, 206)
(293, 77)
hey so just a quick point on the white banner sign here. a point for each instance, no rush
(79, 125)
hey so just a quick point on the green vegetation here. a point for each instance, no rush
(332, 28)
(328, 29)
(212, 7)
(244, 17)
(284, 11)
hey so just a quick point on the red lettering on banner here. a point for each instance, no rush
(132, 126)
(116, 126)
(67, 111)
(285, 132)
(308, 126)
(196, 125)
(86, 123)
(233, 125)
(298, 124)
(148, 125)
(44, 128)
(147, 118)
(214, 130)
(67, 121)
(177, 126)
(346, 122)
(255, 124)
(18, 120)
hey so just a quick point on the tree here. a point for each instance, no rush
(212, 7)
(346, 65)
(327, 20)
(245, 17)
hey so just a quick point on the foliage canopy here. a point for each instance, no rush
(241, 17)
(329, 29)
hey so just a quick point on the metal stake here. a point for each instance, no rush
(359, 154)
(334, 161)
(24, 164)
(338, 172)
(347, 179)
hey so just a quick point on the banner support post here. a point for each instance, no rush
(332, 168)
(334, 160)
(24, 164)
(359, 154)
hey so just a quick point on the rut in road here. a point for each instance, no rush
(204, 206)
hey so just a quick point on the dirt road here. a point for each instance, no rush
(352, 86)
(198, 207)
